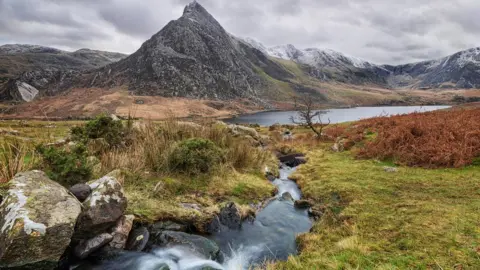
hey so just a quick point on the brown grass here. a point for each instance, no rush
(431, 140)
(15, 156)
(153, 143)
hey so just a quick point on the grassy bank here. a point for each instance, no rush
(414, 218)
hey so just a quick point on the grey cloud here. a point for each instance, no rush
(382, 31)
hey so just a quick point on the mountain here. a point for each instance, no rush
(329, 65)
(47, 70)
(194, 57)
(460, 70)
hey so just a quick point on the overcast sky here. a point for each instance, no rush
(381, 31)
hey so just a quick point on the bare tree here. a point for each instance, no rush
(307, 115)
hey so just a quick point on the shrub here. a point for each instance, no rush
(66, 167)
(195, 155)
(112, 131)
(431, 140)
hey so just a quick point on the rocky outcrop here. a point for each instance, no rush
(230, 216)
(37, 221)
(102, 208)
(42, 71)
(196, 243)
(18, 90)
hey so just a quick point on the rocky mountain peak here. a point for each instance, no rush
(197, 13)
(195, 57)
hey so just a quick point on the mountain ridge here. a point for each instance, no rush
(195, 57)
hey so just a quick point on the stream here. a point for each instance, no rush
(271, 236)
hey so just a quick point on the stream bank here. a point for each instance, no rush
(268, 237)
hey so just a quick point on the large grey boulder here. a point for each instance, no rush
(102, 208)
(37, 221)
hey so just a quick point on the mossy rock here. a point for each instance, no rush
(37, 220)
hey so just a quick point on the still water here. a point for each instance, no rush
(335, 115)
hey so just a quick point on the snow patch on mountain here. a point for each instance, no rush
(469, 56)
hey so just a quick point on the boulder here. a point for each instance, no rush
(87, 247)
(121, 231)
(337, 147)
(303, 204)
(286, 196)
(37, 221)
(230, 216)
(242, 130)
(196, 243)
(114, 117)
(291, 160)
(390, 169)
(271, 178)
(138, 239)
(81, 191)
(212, 226)
(102, 208)
(191, 206)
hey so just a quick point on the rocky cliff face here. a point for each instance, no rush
(193, 57)
(47, 70)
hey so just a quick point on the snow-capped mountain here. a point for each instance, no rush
(27, 48)
(309, 56)
(460, 70)
(326, 64)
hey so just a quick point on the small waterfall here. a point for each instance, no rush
(271, 236)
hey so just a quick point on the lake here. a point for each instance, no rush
(335, 115)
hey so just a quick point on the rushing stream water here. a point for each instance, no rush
(270, 237)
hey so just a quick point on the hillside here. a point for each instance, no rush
(47, 70)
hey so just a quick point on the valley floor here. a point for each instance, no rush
(89, 102)
(373, 218)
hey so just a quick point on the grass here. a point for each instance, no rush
(413, 219)
(159, 198)
(153, 187)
